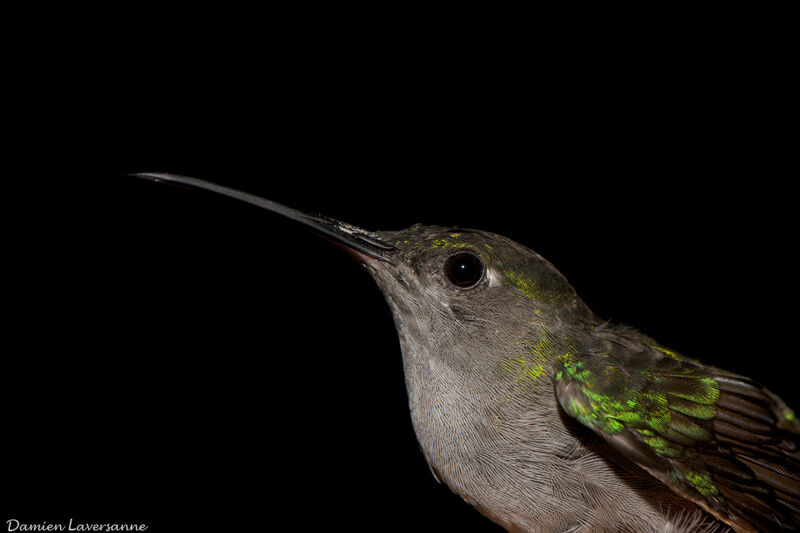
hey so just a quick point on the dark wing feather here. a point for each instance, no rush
(715, 437)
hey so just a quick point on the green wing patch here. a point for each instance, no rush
(670, 408)
(706, 433)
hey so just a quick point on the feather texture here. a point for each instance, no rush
(714, 437)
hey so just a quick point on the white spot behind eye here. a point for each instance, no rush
(494, 278)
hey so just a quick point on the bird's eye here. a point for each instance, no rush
(464, 269)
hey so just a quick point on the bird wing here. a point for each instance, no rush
(715, 437)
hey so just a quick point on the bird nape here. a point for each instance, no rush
(547, 418)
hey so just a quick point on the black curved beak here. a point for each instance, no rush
(353, 239)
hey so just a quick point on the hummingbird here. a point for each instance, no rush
(544, 416)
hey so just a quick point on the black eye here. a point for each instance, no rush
(464, 269)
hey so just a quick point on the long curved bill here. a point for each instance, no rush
(352, 238)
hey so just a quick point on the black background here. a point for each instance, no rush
(181, 359)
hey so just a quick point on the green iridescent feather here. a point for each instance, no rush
(690, 425)
(606, 402)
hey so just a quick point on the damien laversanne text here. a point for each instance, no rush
(15, 525)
